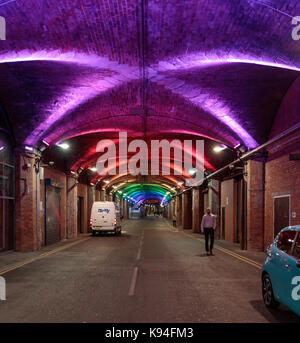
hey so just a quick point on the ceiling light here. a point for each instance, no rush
(28, 148)
(43, 146)
(64, 146)
(93, 169)
(179, 183)
(106, 181)
(219, 148)
(192, 171)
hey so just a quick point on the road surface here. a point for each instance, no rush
(148, 274)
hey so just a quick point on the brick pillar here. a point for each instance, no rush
(255, 205)
(91, 195)
(27, 230)
(214, 200)
(71, 207)
(125, 209)
(171, 209)
(179, 210)
(102, 195)
(198, 209)
(121, 206)
(187, 210)
(97, 195)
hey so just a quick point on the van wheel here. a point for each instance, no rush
(267, 292)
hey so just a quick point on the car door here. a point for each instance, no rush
(294, 303)
(286, 265)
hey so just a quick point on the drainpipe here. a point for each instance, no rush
(37, 196)
(259, 148)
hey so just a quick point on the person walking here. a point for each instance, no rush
(208, 226)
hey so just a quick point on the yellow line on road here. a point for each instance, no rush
(21, 264)
(240, 257)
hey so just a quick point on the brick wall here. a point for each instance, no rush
(282, 178)
(25, 204)
(255, 205)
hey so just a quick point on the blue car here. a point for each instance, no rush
(281, 271)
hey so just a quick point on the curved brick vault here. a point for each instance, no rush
(219, 70)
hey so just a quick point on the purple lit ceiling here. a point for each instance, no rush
(216, 69)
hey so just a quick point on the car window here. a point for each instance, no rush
(285, 241)
(296, 251)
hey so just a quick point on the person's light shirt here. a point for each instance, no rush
(208, 220)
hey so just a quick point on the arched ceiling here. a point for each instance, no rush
(82, 70)
(137, 193)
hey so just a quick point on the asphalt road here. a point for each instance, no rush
(148, 274)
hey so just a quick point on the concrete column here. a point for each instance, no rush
(179, 210)
(214, 202)
(27, 225)
(255, 205)
(187, 210)
(71, 207)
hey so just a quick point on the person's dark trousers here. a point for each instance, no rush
(209, 232)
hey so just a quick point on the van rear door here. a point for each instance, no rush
(103, 216)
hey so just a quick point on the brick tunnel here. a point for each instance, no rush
(130, 101)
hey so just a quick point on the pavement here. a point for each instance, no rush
(151, 273)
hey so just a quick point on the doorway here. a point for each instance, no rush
(6, 206)
(281, 213)
(53, 215)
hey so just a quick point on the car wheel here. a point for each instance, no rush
(267, 292)
(94, 233)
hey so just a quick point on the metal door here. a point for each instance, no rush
(281, 213)
(6, 206)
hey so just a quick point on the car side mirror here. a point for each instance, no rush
(298, 263)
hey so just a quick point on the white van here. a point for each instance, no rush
(105, 217)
